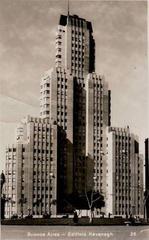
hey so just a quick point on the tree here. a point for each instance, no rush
(93, 200)
(87, 200)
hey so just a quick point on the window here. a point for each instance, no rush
(58, 56)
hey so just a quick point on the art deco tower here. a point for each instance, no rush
(78, 100)
(72, 147)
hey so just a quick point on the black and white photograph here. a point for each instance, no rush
(74, 119)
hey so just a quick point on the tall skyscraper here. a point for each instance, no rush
(70, 135)
(124, 194)
(74, 96)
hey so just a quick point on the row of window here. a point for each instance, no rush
(11, 150)
(10, 164)
(97, 170)
(42, 151)
(123, 139)
(61, 86)
(62, 113)
(46, 92)
(42, 165)
(39, 180)
(38, 196)
(77, 71)
(44, 98)
(41, 137)
(45, 85)
(45, 112)
(78, 45)
(97, 130)
(76, 58)
(61, 30)
(76, 32)
(10, 173)
(77, 52)
(78, 38)
(38, 188)
(122, 142)
(44, 129)
(39, 173)
(123, 213)
(61, 79)
(125, 206)
(41, 144)
(97, 85)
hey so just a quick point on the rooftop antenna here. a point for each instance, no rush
(68, 8)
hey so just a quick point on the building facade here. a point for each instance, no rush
(36, 169)
(146, 200)
(124, 194)
(97, 119)
(10, 183)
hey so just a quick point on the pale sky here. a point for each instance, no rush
(27, 50)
